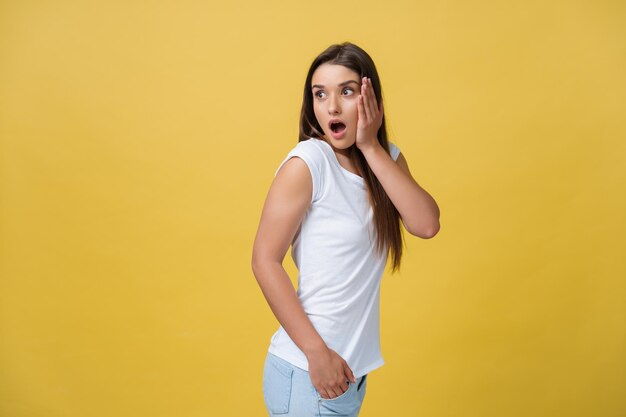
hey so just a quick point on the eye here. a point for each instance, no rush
(347, 91)
(319, 94)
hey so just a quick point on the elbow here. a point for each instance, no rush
(253, 266)
(260, 265)
(432, 231)
(256, 265)
(425, 232)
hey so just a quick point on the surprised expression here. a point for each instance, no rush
(336, 92)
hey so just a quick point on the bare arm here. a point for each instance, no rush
(418, 210)
(287, 202)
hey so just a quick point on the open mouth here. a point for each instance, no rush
(337, 127)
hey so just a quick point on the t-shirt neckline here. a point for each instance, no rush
(354, 177)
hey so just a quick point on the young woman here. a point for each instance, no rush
(337, 198)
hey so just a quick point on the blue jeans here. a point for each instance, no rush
(288, 392)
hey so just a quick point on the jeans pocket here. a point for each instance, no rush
(347, 404)
(277, 377)
(339, 397)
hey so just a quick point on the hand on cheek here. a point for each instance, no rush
(370, 116)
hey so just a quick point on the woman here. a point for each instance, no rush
(338, 198)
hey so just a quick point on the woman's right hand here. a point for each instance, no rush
(329, 373)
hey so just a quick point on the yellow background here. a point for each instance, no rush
(138, 141)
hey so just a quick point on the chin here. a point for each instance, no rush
(341, 143)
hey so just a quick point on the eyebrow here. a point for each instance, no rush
(340, 85)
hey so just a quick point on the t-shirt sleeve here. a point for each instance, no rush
(394, 151)
(313, 158)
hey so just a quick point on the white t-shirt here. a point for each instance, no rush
(339, 270)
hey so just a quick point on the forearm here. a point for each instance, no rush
(284, 303)
(419, 211)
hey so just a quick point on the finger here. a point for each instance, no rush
(348, 372)
(374, 109)
(371, 101)
(366, 101)
(361, 109)
(372, 97)
(361, 103)
(337, 391)
(344, 387)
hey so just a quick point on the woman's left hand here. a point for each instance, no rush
(370, 116)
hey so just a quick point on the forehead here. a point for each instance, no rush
(333, 74)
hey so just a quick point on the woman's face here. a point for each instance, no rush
(336, 91)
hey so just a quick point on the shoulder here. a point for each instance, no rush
(313, 147)
(311, 152)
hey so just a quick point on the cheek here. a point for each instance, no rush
(319, 114)
(351, 110)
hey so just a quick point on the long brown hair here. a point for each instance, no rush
(386, 216)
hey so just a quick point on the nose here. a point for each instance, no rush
(334, 107)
